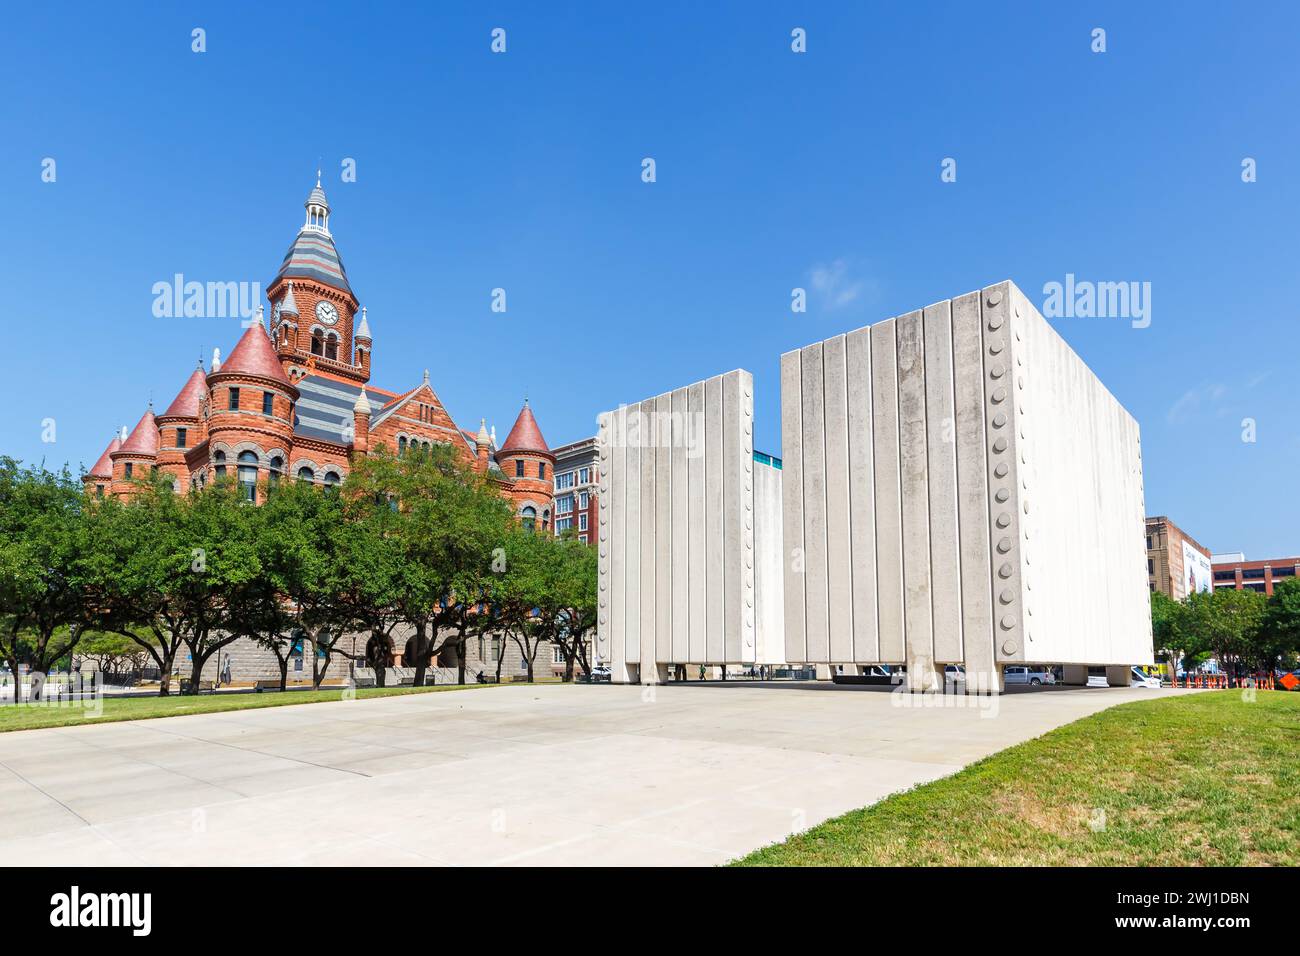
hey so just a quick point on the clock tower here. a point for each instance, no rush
(317, 325)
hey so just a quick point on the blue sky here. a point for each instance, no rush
(774, 170)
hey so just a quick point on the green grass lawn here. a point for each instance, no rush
(1199, 780)
(28, 717)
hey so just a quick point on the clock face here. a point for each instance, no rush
(326, 312)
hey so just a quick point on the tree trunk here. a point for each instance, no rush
(501, 658)
(196, 672)
(421, 657)
(568, 668)
(460, 657)
(18, 683)
(283, 663)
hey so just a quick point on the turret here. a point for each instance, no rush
(250, 418)
(482, 447)
(137, 457)
(180, 428)
(361, 424)
(99, 479)
(527, 463)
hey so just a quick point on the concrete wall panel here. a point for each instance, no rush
(918, 621)
(681, 555)
(862, 509)
(972, 483)
(889, 516)
(816, 616)
(715, 562)
(941, 427)
(796, 648)
(839, 515)
(698, 582)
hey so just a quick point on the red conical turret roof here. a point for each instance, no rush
(186, 403)
(525, 436)
(255, 356)
(143, 439)
(104, 467)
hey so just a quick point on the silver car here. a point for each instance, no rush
(1022, 674)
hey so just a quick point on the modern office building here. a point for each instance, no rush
(577, 477)
(1232, 570)
(1177, 564)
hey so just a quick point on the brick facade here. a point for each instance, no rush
(293, 401)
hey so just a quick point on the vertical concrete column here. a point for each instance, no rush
(663, 551)
(941, 436)
(682, 493)
(1119, 675)
(649, 542)
(839, 515)
(698, 583)
(1074, 674)
(816, 613)
(792, 563)
(605, 577)
(889, 516)
(918, 620)
(714, 549)
(628, 530)
(972, 485)
(862, 505)
(1001, 383)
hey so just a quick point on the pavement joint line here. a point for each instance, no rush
(49, 796)
(251, 750)
(61, 731)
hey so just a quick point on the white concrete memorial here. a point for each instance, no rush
(680, 512)
(956, 487)
(959, 488)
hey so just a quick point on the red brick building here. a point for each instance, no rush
(293, 400)
(1234, 571)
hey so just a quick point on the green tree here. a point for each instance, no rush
(1280, 635)
(1227, 622)
(574, 572)
(42, 601)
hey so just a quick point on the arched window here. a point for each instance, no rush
(546, 520)
(248, 474)
(317, 345)
(401, 446)
(331, 479)
(275, 470)
(529, 515)
(219, 464)
(306, 474)
(332, 346)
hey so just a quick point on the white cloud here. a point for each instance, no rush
(1205, 400)
(834, 284)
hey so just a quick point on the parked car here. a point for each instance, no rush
(601, 672)
(1023, 674)
(1143, 679)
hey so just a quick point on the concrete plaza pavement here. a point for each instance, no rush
(525, 775)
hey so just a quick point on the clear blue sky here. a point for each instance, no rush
(775, 170)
